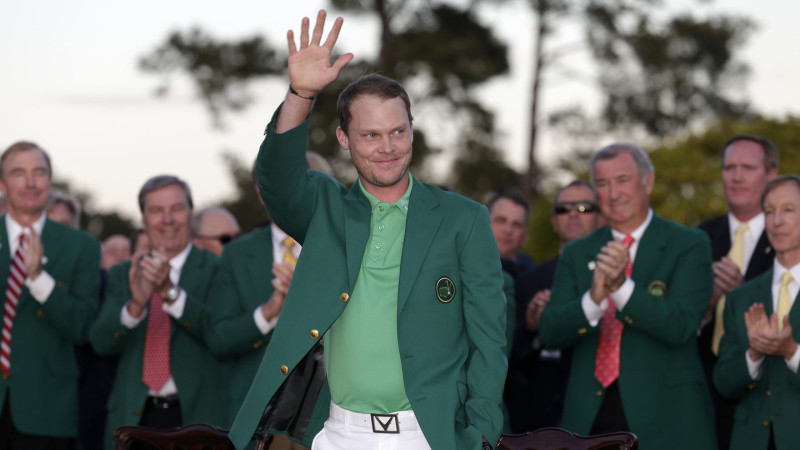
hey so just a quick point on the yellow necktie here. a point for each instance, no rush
(736, 254)
(784, 299)
(288, 253)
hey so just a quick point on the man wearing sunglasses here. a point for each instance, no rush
(628, 299)
(536, 375)
(213, 228)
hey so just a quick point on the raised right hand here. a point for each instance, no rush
(310, 68)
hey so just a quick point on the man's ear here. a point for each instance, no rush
(341, 136)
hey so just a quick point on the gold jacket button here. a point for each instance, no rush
(258, 344)
(344, 297)
(600, 393)
(582, 331)
(284, 370)
(138, 412)
(629, 320)
(314, 334)
(765, 424)
(751, 386)
(768, 393)
(39, 313)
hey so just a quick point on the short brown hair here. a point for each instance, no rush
(778, 181)
(372, 84)
(771, 154)
(22, 146)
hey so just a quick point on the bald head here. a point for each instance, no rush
(115, 249)
(212, 228)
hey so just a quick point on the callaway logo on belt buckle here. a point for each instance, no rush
(385, 422)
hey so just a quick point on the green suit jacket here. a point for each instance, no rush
(44, 375)
(243, 282)
(774, 397)
(452, 350)
(195, 371)
(661, 382)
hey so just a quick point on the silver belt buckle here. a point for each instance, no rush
(387, 423)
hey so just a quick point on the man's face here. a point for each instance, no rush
(782, 222)
(622, 195)
(166, 219)
(569, 222)
(379, 140)
(26, 182)
(744, 175)
(508, 224)
(60, 213)
(216, 230)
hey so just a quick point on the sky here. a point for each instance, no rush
(70, 82)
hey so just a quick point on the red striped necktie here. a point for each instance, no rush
(606, 364)
(16, 276)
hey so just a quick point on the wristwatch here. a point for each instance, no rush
(172, 294)
(486, 446)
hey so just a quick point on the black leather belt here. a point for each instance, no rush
(170, 401)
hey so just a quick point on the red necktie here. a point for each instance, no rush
(606, 364)
(16, 276)
(155, 368)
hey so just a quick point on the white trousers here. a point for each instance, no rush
(349, 430)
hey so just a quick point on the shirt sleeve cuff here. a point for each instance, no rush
(592, 310)
(623, 294)
(264, 325)
(753, 367)
(128, 321)
(41, 287)
(175, 309)
(793, 362)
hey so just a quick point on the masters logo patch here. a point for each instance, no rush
(445, 289)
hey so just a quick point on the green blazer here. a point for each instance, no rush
(196, 372)
(774, 397)
(243, 282)
(661, 382)
(44, 374)
(452, 350)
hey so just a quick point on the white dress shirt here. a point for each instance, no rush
(593, 311)
(175, 309)
(43, 285)
(792, 363)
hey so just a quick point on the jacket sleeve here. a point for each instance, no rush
(485, 318)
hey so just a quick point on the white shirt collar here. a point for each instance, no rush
(176, 264)
(754, 225)
(14, 229)
(778, 271)
(639, 231)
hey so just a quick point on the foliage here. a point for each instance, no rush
(688, 183)
(100, 224)
(245, 204)
(220, 70)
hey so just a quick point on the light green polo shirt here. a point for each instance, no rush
(362, 355)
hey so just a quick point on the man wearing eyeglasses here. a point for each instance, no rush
(213, 228)
(628, 299)
(537, 375)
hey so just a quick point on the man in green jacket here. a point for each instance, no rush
(402, 279)
(51, 297)
(759, 354)
(155, 317)
(629, 298)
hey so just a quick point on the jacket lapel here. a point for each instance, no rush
(356, 224)
(422, 224)
(648, 254)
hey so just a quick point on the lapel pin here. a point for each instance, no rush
(767, 249)
(592, 265)
(44, 259)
